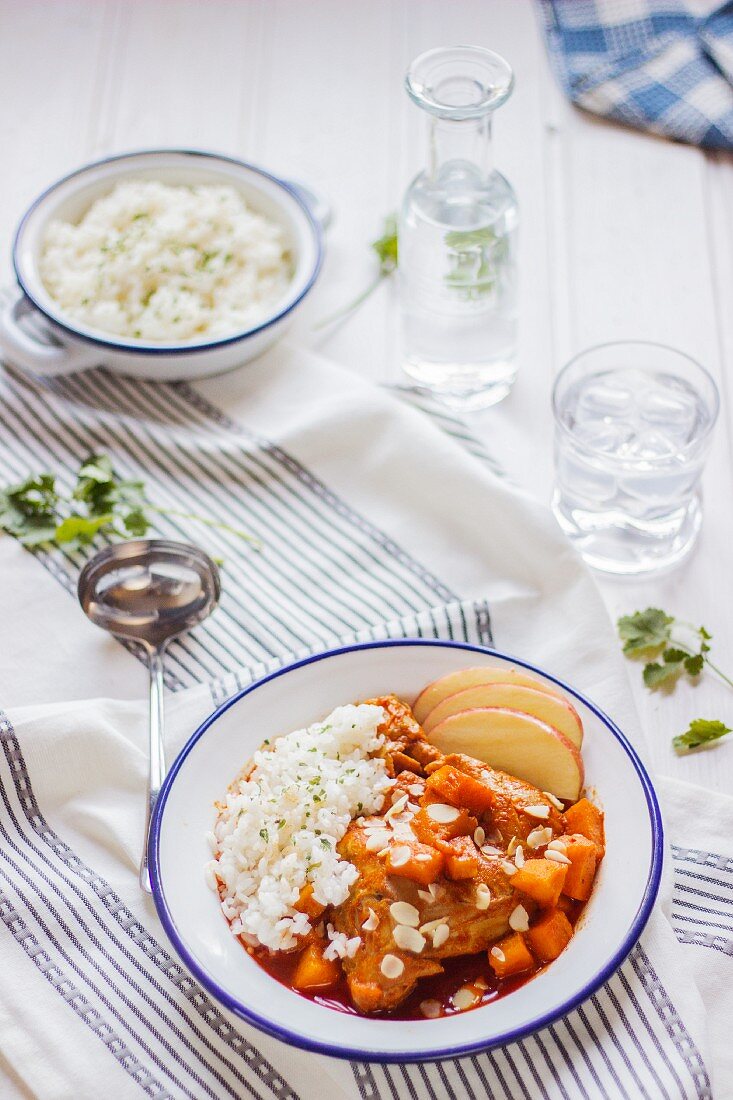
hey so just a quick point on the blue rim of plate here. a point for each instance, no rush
(171, 349)
(358, 1053)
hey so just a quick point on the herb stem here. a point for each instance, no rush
(718, 672)
(346, 310)
(255, 542)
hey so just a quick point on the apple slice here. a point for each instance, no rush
(548, 708)
(516, 743)
(464, 678)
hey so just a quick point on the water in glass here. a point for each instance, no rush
(630, 448)
(457, 235)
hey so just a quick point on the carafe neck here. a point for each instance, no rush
(459, 145)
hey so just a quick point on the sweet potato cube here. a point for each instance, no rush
(437, 834)
(587, 820)
(567, 905)
(550, 935)
(583, 857)
(541, 880)
(313, 971)
(462, 860)
(307, 904)
(511, 957)
(424, 864)
(458, 789)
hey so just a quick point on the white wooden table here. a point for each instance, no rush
(622, 235)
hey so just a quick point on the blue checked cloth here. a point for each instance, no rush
(651, 64)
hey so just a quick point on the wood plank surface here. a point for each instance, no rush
(622, 235)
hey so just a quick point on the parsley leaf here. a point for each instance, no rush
(386, 246)
(645, 631)
(28, 509)
(649, 634)
(694, 665)
(701, 732)
(38, 515)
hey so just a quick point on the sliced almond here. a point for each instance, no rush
(519, 856)
(519, 919)
(440, 935)
(416, 789)
(408, 939)
(430, 1009)
(483, 896)
(425, 895)
(402, 912)
(490, 850)
(539, 836)
(400, 855)
(541, 812)
(498, 954)
(512, 846)
(508, 868)
(371, 923)
(557, 846)
(431, 925)
(557, 857)
(377, 840)
(555, 801)
(442, 813)
(479, 837)
(464, 998)
(392, 967)
(396, 808)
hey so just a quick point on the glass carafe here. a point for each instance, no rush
(457, 235)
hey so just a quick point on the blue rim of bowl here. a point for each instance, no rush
(170, 349)
(359, 1053)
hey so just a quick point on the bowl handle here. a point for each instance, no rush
(30, 352)
(319, 206)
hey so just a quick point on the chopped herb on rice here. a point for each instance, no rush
(279, 827)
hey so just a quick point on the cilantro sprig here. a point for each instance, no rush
(386, 250)
(40, 515)
(672, 648)
(701, 732)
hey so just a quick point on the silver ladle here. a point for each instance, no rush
(149, 591)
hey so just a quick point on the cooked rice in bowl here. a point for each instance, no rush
(160, 262)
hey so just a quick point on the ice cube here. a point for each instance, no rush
(672, 410)
(650, 444)
(604, 398)
(602, 435)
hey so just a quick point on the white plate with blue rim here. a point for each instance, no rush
(611, 923)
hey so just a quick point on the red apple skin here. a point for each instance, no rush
(538, 704)
(514, 742)
(464, 678)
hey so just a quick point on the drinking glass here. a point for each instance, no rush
(633, 426)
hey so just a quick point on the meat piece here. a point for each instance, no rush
(406, 747)
(476, 909)
(509, 800)
(454, 903)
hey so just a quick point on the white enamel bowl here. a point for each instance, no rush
(303, 693)
(73, 346)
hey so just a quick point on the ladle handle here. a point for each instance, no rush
(156, 751)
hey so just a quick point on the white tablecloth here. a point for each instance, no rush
(375, 522)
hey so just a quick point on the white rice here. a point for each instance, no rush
(157, 262)
(278, 828)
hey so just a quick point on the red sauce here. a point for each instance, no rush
(459, 972)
